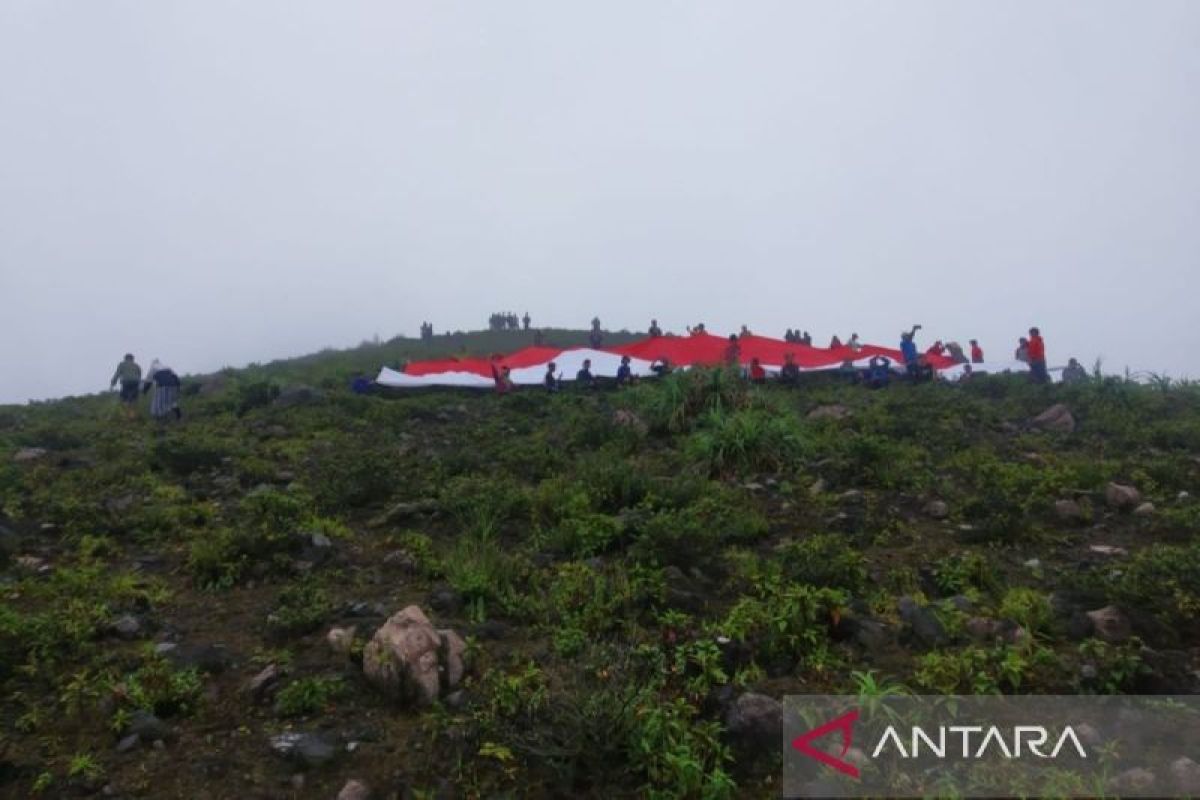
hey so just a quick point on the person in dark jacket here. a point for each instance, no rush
(789, 373)
(164, 402)
(584, 377)
(624, 373)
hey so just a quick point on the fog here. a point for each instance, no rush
(215, 183)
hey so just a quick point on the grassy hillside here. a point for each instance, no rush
(625, 566)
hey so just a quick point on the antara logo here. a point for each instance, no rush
(973, 742)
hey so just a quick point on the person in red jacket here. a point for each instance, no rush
(976, 352)
(757, 373)
(1037, 357)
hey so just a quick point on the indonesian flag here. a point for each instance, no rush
(528, 366)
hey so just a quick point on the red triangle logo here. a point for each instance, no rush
(845, 724)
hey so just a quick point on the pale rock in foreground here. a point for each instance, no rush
(411, 661)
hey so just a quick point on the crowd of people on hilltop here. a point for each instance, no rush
(509, 321)
(914, 364)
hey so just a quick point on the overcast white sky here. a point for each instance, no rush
(215, 182)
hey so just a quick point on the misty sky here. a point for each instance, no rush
(214, 183)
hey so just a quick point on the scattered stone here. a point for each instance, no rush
(262, 685)
(1057, 418)
(298, 396)
(445, 600)
(983, 629)
(210, 658)
(456, 700)
(937, 509)
(756, 718)
(401, 560)
(818, 486)
(753, 486)
(341, 640)
(354, 790)
(1069, 511)
(127, 627)
(491, 629)
(1136, 781)
(962, 602)
(1034, 563)
(32, 564)
(128, 743)
(411, 661)
(851, 496)
(1108, 550)
(1186, 774)
(925, 625)
(1110, 624)
(311, 749)
(871, 634)
(403, 511)
(624, 418)
(320, 540)
(149, 727)
(162, 648)
(27, 454)
(833, 411)
(1122, 497)
(1144, 510)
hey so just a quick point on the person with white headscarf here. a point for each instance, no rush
(165, 383)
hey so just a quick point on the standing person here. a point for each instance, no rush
(549, 380)
(584, 376)
(1037, 357)
(789, 373)
(129, 375)
(1074, 372)
(757, 373)
(733, 351)
(596, 337)
(655, 331)
(500, 375)
(165, 383)
(834, 342)
(976, 352)
(624, 372)
(525, 320)
(854, 344)
(1022, 353)
(908, 350)
(955, 351)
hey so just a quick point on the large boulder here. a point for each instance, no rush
(756, 719)
(926, 627)
(1122, 497)
(411, 661)
(1056, 418)
(1110, 624)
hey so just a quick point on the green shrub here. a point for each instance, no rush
(308, 696)
(824, 560)
(162, 689)
(300, 608)
(784, 621)
(962, 572)
(746, 441)
(1028, 608)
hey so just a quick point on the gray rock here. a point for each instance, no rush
(210, 658)
(832, 411)
(402, 561)
(308, 748)
(925, 625)
(818, 487)
(403, 511)
(28, 454)
(962, 602)
(1121, 496)
(871, 634)
(937, 509)
(411, 661)
(341, 640)
(445, 600)
(262, 685)
(354, 790)
(1186, 774)
(320, 540)
(147, 726)
(756, 719)
(1135, 781)
(983, 629)
(1056, 418)
(1069, 511)
(127, 627)
(1110, 624)
(1144, 510)
(128, 743)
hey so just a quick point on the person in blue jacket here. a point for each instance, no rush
(908, 349)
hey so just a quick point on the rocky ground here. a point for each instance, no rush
(300, 592)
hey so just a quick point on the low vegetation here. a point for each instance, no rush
(623, 564)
